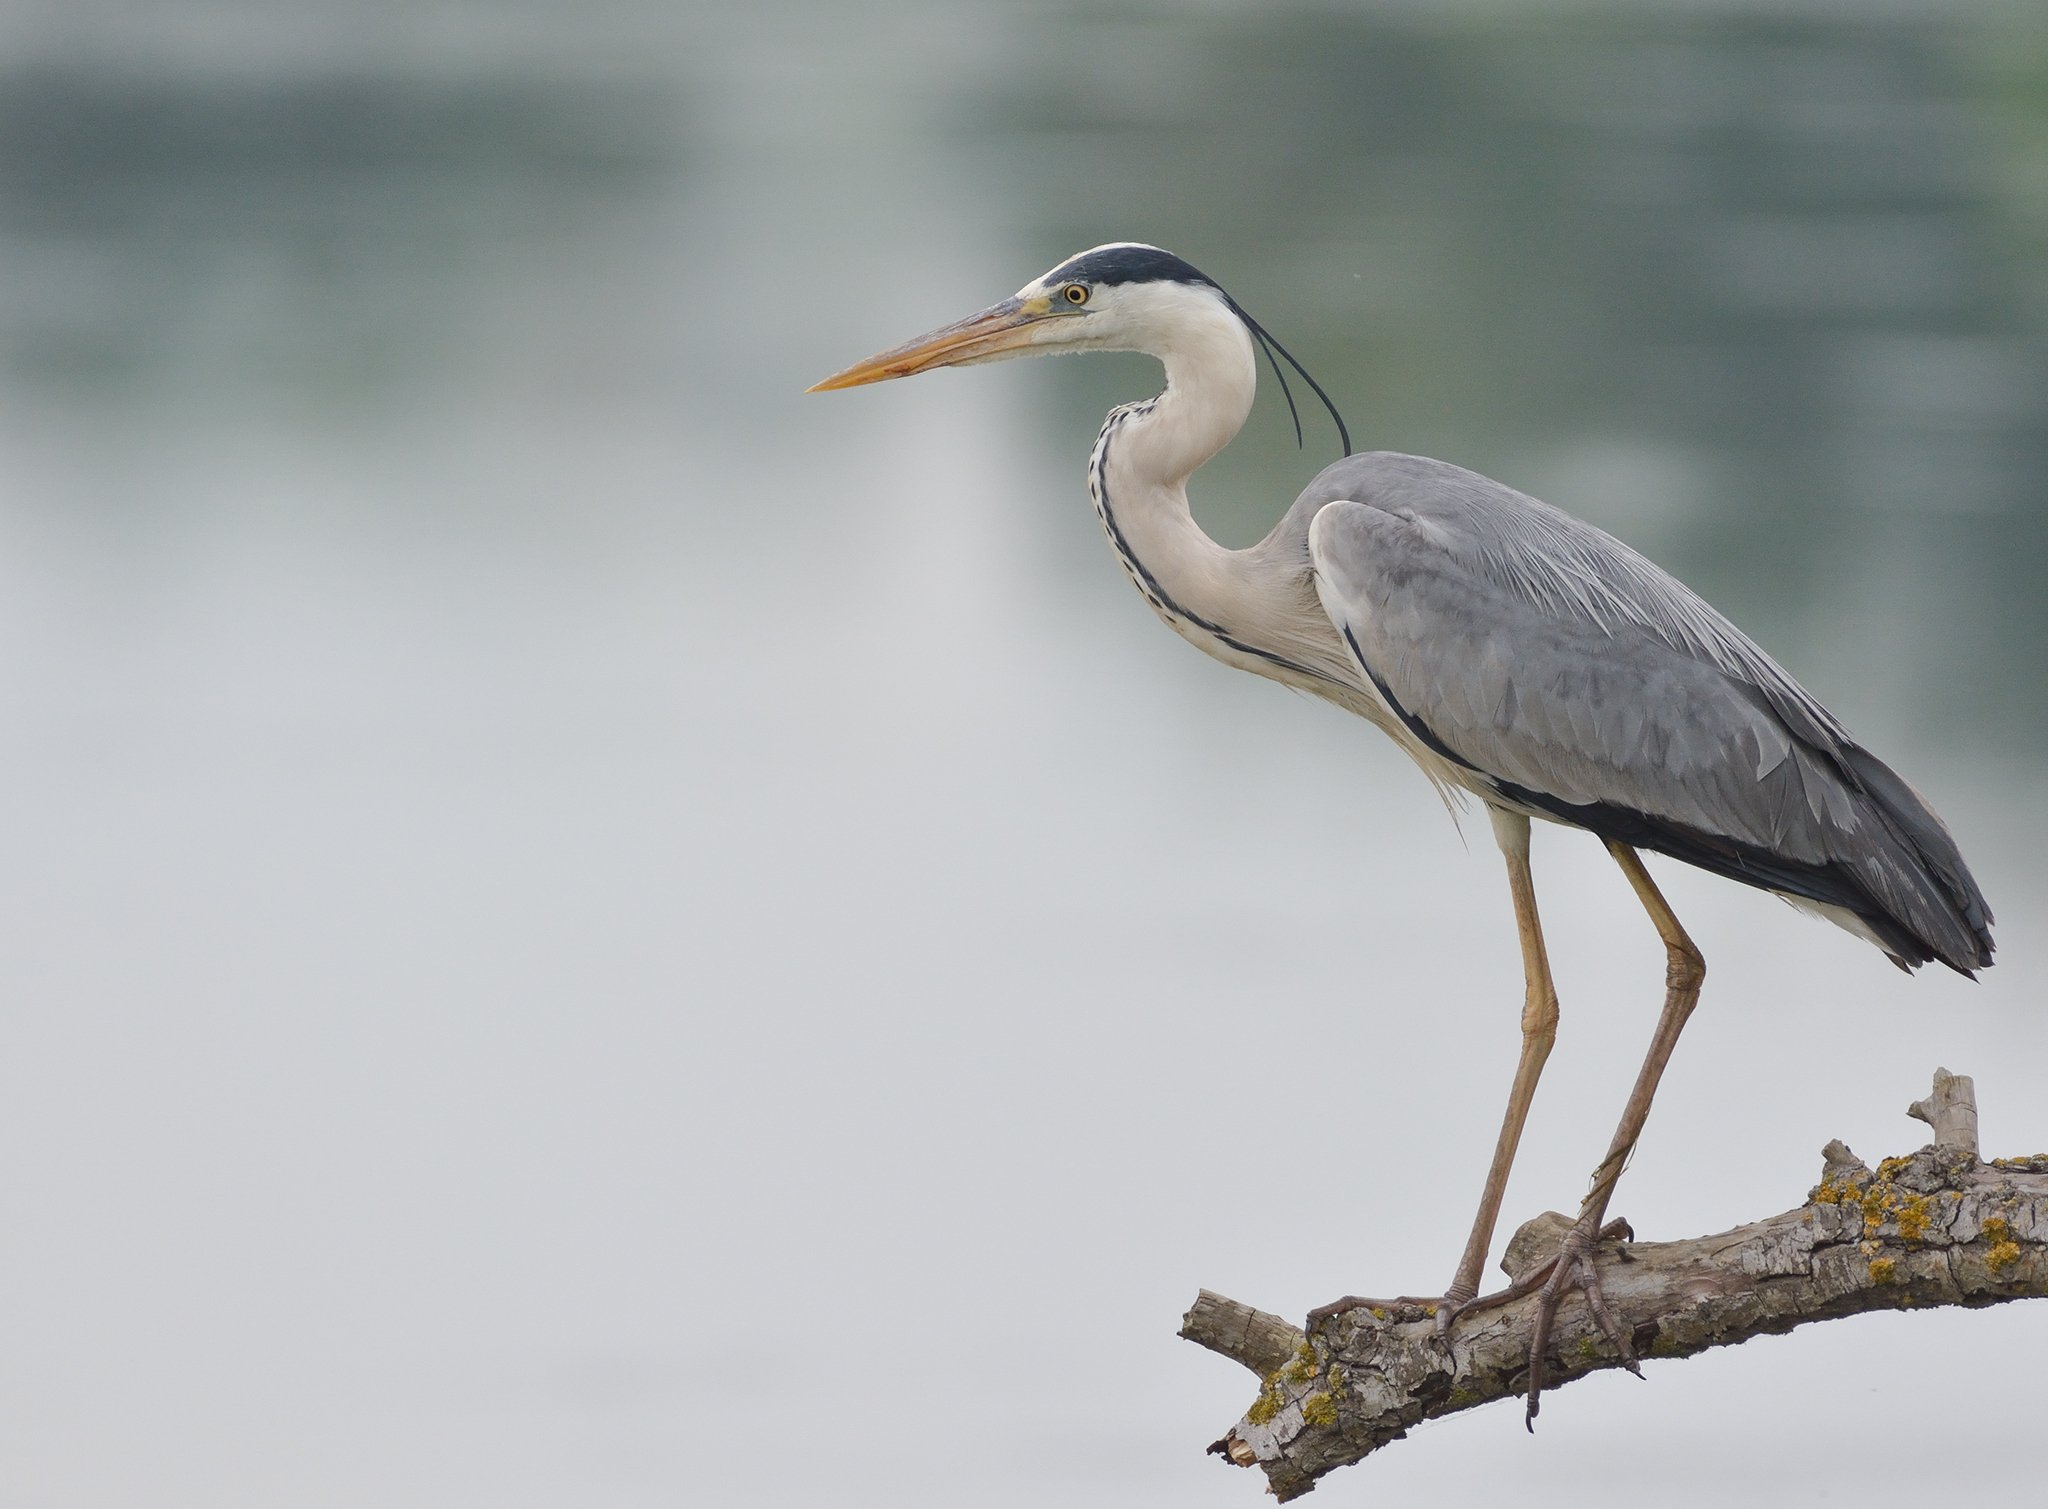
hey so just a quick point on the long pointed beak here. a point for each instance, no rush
(999, 330)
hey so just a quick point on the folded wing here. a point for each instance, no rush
(1580, 681)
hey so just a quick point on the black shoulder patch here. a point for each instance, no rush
(1129, 264)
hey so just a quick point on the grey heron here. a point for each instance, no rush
(1516, 654)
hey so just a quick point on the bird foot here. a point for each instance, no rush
(1406, 1307)
(1572, 1265)
(1575, 1265)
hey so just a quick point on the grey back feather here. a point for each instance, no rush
(1548, 656)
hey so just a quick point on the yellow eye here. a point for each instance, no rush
(1075, 293)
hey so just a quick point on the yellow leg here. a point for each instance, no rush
(1684, 971)
(1539, 1032)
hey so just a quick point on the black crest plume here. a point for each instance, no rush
(1133, 263)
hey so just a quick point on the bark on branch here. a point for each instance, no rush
(1939, 1227)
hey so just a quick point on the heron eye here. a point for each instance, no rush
(1075, 293)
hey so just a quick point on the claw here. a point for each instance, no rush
(1447, 1312)
(1576, 1264)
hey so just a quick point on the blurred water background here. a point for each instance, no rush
(583, 928)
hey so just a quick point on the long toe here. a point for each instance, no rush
(1576, 1266)
(1429, 1304)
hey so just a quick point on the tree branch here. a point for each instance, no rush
(1938, 1228)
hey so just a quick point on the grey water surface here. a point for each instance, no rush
(578, 927)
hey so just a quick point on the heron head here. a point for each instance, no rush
(1125, 296)
(1121, 297)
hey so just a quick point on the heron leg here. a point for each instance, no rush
(1684, 971)
(1539, 1033)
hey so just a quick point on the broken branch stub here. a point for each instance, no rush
(1951, 1109)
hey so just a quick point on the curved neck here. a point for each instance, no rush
(1211, 378)
(1138, 474)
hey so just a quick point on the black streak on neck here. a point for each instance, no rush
(1147, 582)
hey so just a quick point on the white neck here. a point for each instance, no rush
(1211, 379)
(1148, 451)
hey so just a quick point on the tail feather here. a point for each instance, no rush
(1908, 887)
(1939, 900)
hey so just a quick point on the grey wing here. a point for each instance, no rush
(1575, 678)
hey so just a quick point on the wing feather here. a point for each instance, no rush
(1553, 661)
